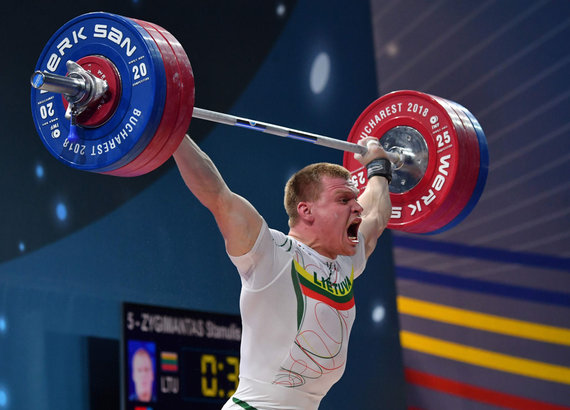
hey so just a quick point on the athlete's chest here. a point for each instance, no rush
(325, 281)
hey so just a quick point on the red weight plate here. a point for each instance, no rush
(479, 166)
(144, 163)
(184, 79)
(425, 114)
(100, 67)
(465, 179)
(171, 106)
(471, 165)
(483, 164)
(449, 203)
(188, 93)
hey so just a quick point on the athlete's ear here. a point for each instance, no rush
(304, 210)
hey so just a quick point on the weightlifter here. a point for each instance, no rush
(297, 303)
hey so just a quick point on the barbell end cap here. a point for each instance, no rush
(37, 79)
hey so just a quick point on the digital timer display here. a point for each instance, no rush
(210, 375)
(178, 359)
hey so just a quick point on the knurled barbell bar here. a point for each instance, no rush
(115, 95)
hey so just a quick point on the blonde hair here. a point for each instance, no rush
(305, 186)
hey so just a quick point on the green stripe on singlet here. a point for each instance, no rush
(299, 294)
(243, 404)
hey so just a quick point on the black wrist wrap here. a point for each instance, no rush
(380, 167)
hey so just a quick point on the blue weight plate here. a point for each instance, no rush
(483, 170)
(139, 63)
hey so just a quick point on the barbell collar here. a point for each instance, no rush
(80, 87)
(95, 87)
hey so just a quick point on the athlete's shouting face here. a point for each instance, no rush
(335, 218)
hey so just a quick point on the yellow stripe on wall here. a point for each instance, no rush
(484, 358)
(482, 321)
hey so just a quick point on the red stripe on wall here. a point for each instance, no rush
(480, 394)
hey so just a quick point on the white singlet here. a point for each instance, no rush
(297, 309)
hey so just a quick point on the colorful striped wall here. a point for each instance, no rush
(484, 308)
(477, 340)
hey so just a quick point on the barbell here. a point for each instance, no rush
(115, 95)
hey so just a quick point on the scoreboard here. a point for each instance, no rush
(178, 359)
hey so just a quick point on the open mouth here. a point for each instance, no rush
(352, 230)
